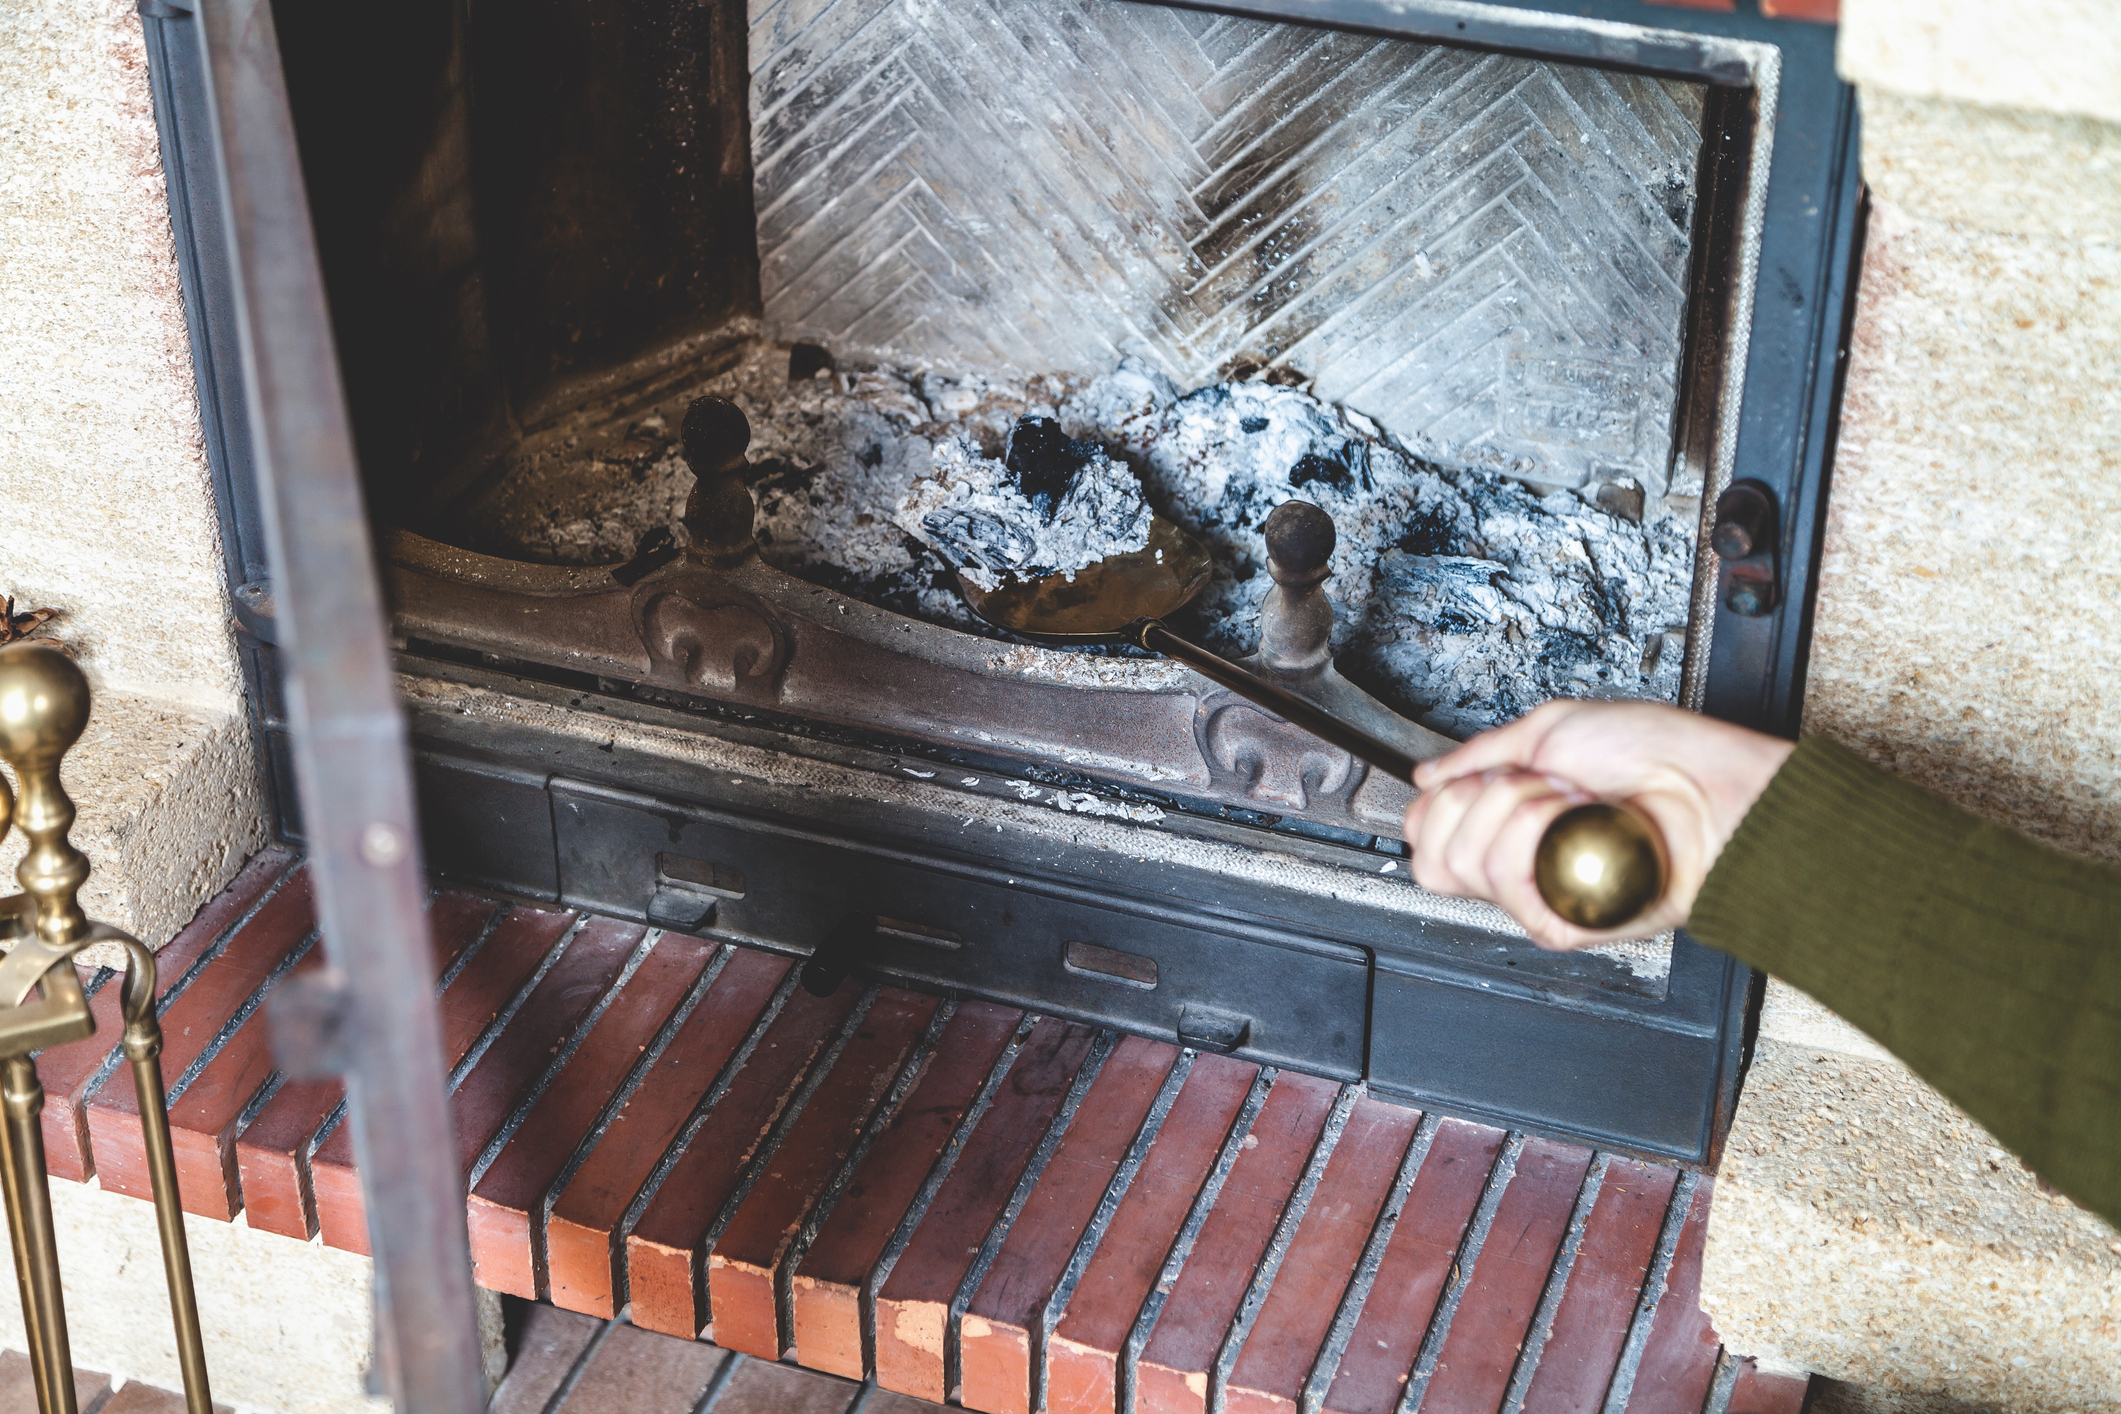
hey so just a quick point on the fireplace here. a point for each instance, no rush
(1540, 290)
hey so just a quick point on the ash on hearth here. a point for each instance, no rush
(1460, 597)
(1051, 504)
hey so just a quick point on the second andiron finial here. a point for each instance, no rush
(44, 703)
(719, 513)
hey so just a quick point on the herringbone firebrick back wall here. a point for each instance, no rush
(1486, 254)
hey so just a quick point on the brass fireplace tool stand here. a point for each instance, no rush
(43, 708)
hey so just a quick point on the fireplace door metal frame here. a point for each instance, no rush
(315, 643)
(283, 458)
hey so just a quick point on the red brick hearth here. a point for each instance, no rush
(954, 1197)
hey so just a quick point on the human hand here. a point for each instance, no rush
(1477, 823)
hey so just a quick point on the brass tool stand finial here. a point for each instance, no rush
(43, 709)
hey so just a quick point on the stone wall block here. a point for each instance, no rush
(1965, 633)
(170, 804)
(2009, 170)
(2056, 56)
(1866, 1228)
(110, 513)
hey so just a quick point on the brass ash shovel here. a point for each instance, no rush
(1600, 865)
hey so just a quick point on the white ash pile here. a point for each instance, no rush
(1049, 505)
(1460, 598)
(838, 452)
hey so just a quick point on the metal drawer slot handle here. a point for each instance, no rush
(1111, 965)
(918, 933)
(720, 880)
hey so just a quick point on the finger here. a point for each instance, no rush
(1472, 854)
(1442, 809)
(1515, 744)
(1446, 806)
(1416, 813)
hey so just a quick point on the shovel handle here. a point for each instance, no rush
(1599, 865)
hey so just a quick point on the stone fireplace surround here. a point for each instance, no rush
(1913, 684)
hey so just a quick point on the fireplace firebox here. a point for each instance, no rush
(1518, 297)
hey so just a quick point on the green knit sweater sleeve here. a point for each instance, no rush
(1989, 963)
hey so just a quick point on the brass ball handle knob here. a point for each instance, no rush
(1600, 866)
(43, 709)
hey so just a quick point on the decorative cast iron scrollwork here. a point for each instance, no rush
(1260, 757)
(704, 634)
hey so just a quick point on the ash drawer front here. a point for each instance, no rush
(487, 824)
(1598, 1075)
(1046, 944)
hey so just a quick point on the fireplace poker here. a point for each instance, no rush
(1599, 865)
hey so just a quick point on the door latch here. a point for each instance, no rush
(1747, 537)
